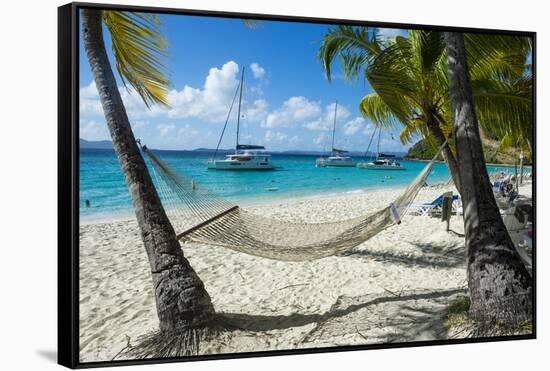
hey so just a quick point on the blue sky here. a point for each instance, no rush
(287, 104)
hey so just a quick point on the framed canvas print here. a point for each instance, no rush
(236, 185)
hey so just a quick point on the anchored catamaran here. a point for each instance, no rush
(338, 157)
(383, 161)
(246, 156)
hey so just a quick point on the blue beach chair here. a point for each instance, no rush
(425, 208)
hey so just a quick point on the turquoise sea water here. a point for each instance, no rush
(102, 182)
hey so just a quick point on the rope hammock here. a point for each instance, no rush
(210, 219)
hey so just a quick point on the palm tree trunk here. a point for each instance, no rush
(500, 286)
(182, 301)
(448, 155)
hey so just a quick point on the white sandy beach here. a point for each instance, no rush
(393, 288)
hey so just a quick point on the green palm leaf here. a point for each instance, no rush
(499, 56)
(139, 48)
(394, 77)
(374, 108)
(356, 46)
(412, 131)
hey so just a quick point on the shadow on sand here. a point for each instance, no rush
(344, 307)
(431, 255)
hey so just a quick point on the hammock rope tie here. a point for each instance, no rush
(200, 216)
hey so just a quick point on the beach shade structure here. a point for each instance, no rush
(200, 216)
(425, 208)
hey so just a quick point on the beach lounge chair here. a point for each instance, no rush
(498, 187)
(426, 208)
(505, 192)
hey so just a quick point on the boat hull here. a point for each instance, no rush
(239, 165)
(379, 167)
(328, 163)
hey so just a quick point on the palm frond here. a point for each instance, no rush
(412, 131)
(500, 56)
(139, 48)
(409, 79)
(354, 45)
(429, 47)
(372, 107)
(393, 77)
(504, 108)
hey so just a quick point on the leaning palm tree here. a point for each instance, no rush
(409, 79)
(500, 286)
(183, 305)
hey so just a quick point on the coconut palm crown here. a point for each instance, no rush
(139, 48)
(409, 79)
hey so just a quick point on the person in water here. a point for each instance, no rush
(87, 202)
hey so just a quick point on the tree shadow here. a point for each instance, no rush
(418, 324)
(260, 323)
(458, 234)
(431, 255)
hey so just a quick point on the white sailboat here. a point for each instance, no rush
(338, 157)
(381, 164)
(383, 161)
(246, 156)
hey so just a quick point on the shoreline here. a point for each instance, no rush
(253, 202)
(272, 197)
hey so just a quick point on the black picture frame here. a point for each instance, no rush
(68, 182)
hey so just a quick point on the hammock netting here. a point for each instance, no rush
(200, 216)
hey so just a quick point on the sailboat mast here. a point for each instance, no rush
(334, 126)
(239, 110)
(378, 146)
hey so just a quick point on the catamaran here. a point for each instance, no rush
(381, 164)
(338, 157)
(246, 156)
(383, 161)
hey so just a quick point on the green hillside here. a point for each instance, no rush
(423, 151)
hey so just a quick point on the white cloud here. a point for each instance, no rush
(257, 70)
(212, 101)
(188, 133)
(275, 136)
(321, 139)
(136, 125)
(294, 110)
(165, 129)
(209, 103)
(369, 129)
(89, 91)
(92, 130)
(353, 126)
(91, 105)
(294, 140)
(89, 101)
(325, 122)
(257, 111)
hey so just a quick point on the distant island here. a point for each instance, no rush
(301, 152)
(95, 144)
(491, 149)
(107, 144)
